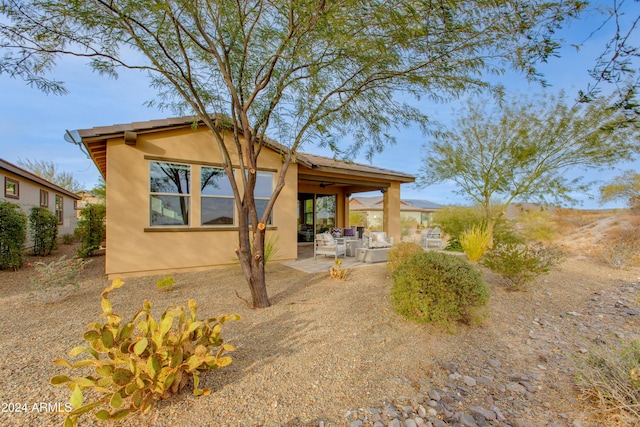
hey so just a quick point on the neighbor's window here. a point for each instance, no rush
(11, 188)
(44, 198)
(216, 197)
(169, 191)
(59, 209)
(262, 193)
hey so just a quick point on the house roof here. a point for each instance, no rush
(375, 203)
(35, 178)
(95, 140)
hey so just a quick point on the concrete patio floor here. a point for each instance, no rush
(322, 263)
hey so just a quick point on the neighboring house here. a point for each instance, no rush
(372, 208)
(171, 208)
(28, 190)
(87, 198)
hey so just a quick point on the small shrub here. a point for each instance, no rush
(13, 235)
(400, 252)
(68, 239)
(519, 264)
(143, 360)
(165, 284)
(475, 242)
(454, 220)
(609, 377)
(43, 228)
(91, 228)
(537, 225)
(56, 280)
(453, 245)
(336, 272)
(621, 252)
(439, 288)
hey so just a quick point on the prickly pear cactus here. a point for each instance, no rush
(141, 361)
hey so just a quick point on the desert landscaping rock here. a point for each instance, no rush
(333, 353)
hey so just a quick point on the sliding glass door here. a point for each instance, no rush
(316, 214)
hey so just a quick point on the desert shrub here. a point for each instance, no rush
(56, 280)
(439, 288)
(91, 228)
(505, 231)
(621, 246)
(475, 242)
(400, 252)
(13, 235)
(453, 245)
(143, 360)
(336, 271)
(537, 225)
(165, 284)
(519, 264)
(43, 228)
(454, 220)
(407, 225)
(609, 376)
(68, 239)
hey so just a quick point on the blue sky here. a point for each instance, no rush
(32, 124)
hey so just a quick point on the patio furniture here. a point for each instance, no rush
(376, 240)
(431, 238)
(326, 244)
(370, 255)
(352, 245)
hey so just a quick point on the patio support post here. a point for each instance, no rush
(391, 211)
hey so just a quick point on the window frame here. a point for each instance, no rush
(16, 185)
(217, 196)
(59, 212)
(272, 175)
(44, 198)
(186, 218)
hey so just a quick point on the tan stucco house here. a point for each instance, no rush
(28, 190)
(171, 208)
(372, 208)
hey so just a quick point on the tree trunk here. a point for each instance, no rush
(251, 259)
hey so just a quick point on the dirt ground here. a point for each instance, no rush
(327, 347)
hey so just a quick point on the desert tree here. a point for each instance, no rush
(527, 149)
(49, 170)
(301, 71)
(625, 187)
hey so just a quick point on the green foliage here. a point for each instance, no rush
(454, 220)
(438, 287)
(453, 245)
(165, 284)
(475, 242)
(609, 377)
(523, 148)
(69, 239)
(49, 171)
(56, 280)
(43, 228)
(13, 235)
(400, 252)
(336, 271)
(143, 360)
(519, 264)
(537, 225)
(407, 225)
(357, 218)
(625, 187)
(91, 228)
(505, 231)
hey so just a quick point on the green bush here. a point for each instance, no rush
(43, 228)
(166, 284)
(609, 376)
(439, 288)
(454, 220)
(143, 360)
(68, 239)
(519, 264)
(13, 235)
(400, 252)
(475, 242)
(91, 228)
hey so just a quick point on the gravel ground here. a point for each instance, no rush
(328, 351)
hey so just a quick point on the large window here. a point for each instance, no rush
(170, 190)
(11, 188)
(216, 197)
(60, 208)
(262, 192)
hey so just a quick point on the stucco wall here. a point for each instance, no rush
(30, 197)
(136, 248)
